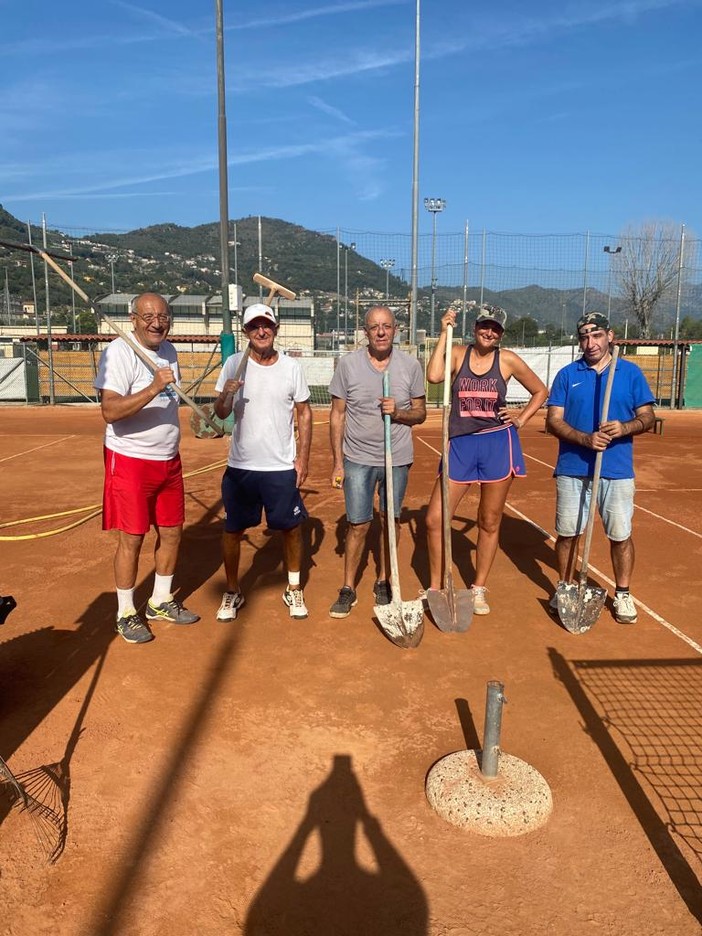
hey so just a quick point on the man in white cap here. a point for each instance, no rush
(265, 470)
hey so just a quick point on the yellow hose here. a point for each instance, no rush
(96, 511)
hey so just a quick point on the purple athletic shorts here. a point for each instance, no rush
(494, 455)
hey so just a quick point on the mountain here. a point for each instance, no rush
(176, 259)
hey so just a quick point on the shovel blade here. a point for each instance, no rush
(579, 606)
(402, 622)
(201, 429)
(451, 616)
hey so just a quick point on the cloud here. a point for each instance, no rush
(329, 109)
(169, 25)
(315, 13)
(346, 146)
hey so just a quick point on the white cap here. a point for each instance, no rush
(259, 310)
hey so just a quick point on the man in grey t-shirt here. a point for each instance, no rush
(357, 440)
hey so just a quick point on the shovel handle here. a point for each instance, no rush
(390, 499)
(598, 469)
(445, 515)
(144, 357)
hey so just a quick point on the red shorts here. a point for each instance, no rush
(140, 493)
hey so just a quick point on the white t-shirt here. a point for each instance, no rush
(263, 437)
(154, 432)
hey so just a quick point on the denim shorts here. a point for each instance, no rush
(615, 503)
(360, 483)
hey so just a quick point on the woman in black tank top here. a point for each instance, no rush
(484, 445)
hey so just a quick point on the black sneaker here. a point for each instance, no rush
(382, 592)
(132, 629)
(343, 604)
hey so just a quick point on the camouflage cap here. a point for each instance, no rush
(598, 319)
(490, 313)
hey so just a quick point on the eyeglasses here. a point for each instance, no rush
(261, 326)
(385, 326)
(162, 318)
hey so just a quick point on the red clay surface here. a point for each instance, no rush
(267, 776)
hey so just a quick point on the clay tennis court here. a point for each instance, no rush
(267, 776)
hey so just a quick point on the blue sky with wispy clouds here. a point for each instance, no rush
(537, 117)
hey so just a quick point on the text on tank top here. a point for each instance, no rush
(477, 398)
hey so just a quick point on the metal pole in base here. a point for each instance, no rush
(490, 758)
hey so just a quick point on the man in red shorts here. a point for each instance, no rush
(143, 473)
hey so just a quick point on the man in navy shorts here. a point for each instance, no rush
(265, 469)
(143, 473)
(574, 409)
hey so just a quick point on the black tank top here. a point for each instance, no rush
(476, 399)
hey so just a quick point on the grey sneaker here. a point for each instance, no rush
(480, 605)
(343, 604)
(231, 603)
(625, 609)
(132, 629)
(295, 600)
(172, 611)
(382, 592)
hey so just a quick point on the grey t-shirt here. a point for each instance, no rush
(360, 385)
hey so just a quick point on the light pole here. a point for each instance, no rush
(612, 251)
(387, 265)
(111, 260)
(235, 243)
(346, 248)
(435, 206)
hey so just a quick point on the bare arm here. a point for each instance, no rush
(435, 367)
(114, 406)
(413, 416)
(518, 368)
(643, 420)
(556, 424)
(225, 401)
(337, 422)
(304, 428)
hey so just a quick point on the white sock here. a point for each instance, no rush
(294, 579)
(125, 601)
(162, 589)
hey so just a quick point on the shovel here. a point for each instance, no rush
(401, 621)
(452, 610)
(579, 606)
(203, 429)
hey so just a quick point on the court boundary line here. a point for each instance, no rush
(37, 448)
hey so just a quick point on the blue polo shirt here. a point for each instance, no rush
(579, 389)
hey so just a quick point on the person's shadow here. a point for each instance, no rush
(340, 896)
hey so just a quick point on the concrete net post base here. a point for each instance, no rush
(517, 801)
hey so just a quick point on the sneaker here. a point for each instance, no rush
(553, 603)
(382, 592)
(343, 604)
(132, 629)
(232, 602)
(295, 600)
(480, 605)
(172, 611)
(625, 609)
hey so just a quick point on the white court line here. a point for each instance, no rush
(656, 617)
(37, 448)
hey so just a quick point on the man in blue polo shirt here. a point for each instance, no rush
(574, 408)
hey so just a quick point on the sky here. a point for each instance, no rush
(537, 116)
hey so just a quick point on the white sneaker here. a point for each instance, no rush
(625, 609)
(231, 603)
(480, 605)
(553, 603)
(295, 600)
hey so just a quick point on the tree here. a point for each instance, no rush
(647, 268)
